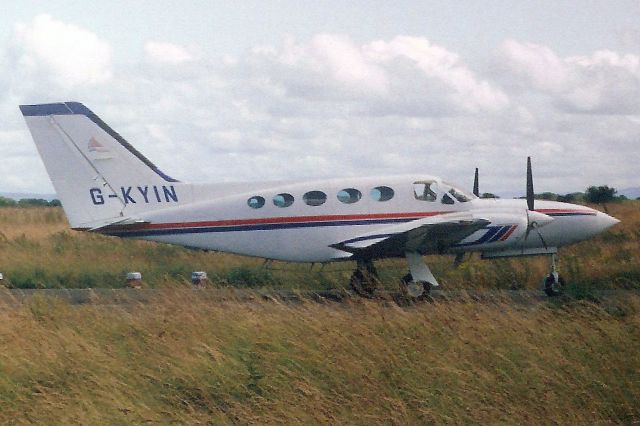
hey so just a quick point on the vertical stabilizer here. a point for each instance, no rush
(98, 176)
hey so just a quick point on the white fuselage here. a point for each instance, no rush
(224, 221)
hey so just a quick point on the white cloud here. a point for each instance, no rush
(166, 53)
(603, 82)
(329, 106)
(61, 53)
(404, 76)
(439, 65)
(538, 65)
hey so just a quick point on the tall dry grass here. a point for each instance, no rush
(182, 359)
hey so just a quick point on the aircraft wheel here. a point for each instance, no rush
(426, 286)
(553, 286)
(363, 283)
(407, 278)
(414, 289)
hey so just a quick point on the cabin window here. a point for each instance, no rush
(446, 199)
(255, 202)
(349, 195)
(283, 200)
(425, 191)
(314, 198)
(381, 193)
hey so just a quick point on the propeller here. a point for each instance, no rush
(476, 186)
(534, 219)
(530, 193)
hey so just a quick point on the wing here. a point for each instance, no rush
(430, 235)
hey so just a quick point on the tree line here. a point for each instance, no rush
(593, 194)
(28, 202)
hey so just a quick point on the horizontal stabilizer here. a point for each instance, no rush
(124, 223)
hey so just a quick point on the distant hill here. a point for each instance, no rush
(631, 193)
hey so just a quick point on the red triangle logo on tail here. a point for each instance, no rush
(95, 146)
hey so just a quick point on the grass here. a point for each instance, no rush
(184, 360)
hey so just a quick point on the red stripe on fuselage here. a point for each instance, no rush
(580, 211)
(508, 233)
(276, 220)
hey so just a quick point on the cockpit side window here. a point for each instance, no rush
(446, 199)
(425, 191)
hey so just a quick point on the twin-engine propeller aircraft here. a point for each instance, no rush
(107, 186)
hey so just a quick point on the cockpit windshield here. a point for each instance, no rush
(431, 190)
(459, 194)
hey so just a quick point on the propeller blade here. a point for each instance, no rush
(530, 193)
(476, 186)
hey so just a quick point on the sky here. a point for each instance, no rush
(216, 91)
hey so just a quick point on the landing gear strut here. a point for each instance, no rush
(364, 280)
(553, 283)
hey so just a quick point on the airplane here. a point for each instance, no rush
(108, 187)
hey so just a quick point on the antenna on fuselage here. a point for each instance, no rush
(476, 185)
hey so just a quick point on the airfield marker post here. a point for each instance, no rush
(134, 280)
(199, 279)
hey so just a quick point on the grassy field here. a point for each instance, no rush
(181, 359)
(38, 251)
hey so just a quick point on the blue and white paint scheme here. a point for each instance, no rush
(107, 186)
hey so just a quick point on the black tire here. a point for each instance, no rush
(363, 283)
(427, 288)
(407, 280)
(404, 285)
(553, 288)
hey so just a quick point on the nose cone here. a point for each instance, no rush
(605, 221)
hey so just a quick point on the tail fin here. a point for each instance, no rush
(99, 177)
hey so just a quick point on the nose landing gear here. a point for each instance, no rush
(419, 281)
(415, 289)
(553, 283)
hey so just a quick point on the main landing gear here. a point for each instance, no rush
(364, 280)
(417, 283)
(553, 283)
